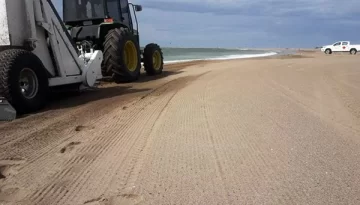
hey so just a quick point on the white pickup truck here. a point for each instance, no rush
(341, 46)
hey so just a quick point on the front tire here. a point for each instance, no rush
(122, 59)
(153, 59)
(23, 80)
(328, 51)
(353, 51)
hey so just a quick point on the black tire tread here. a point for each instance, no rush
(7, 60)
(111, 65)
(9, 65)
(148, 64)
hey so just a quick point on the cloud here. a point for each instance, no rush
(247, 23)
(258, 7)
(259, 23)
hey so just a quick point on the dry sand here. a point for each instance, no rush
(277, 130)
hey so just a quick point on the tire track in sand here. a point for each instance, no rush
(179, 163)
(78, 159)
(113, 141)
(214, 142)
(33, 140)
(130, 177)
(42, 154)
(122, 171)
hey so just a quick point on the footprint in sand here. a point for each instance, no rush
(69, 147)
(9, 167)
(9, 193)
(82, 127)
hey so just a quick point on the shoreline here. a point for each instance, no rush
(277, 53)
(243, 56)
(280, 54)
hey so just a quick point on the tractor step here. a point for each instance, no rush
(7, 112)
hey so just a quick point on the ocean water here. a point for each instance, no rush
(173, 55)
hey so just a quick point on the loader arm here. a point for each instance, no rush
(63, 26)
(65, 53)
(69, 67)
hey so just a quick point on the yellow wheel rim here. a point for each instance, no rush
(156, 60)
(130, 56)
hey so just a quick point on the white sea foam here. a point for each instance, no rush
(229, 57)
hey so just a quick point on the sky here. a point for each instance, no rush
(247, 23)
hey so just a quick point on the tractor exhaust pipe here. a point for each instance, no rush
(7, 112)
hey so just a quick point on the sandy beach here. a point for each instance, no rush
(272, 130)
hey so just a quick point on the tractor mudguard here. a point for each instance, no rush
(104, 28)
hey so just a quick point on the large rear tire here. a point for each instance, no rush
(121, 56)
(153, 59)
(23, 80)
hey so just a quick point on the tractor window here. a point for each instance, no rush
(82, 10)
(337, 44)
(113, 9)
(125, 12)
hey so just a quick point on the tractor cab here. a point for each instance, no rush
(87, 16)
